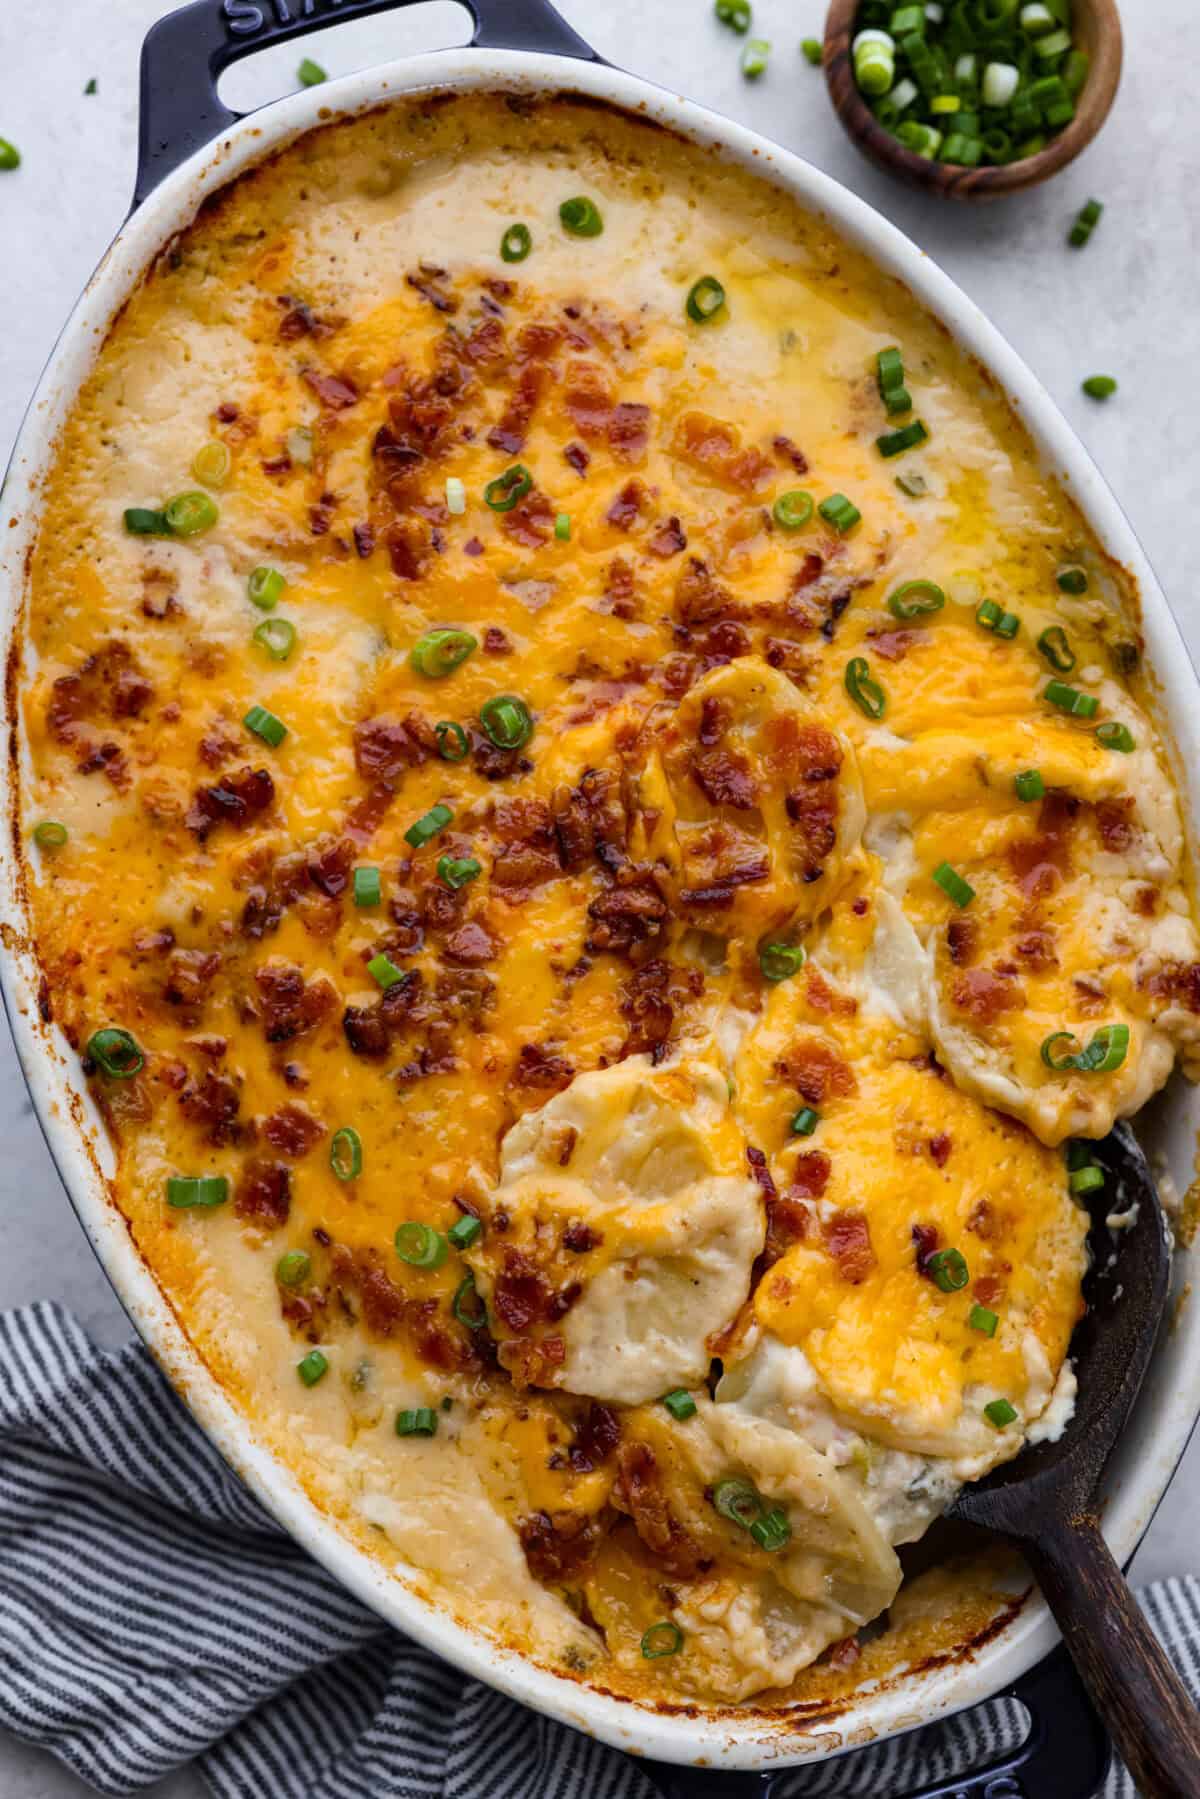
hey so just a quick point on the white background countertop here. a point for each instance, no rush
(1126, 306)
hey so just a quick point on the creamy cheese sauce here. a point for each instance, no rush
(662, 1047)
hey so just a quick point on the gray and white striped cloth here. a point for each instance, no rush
(152, 1614)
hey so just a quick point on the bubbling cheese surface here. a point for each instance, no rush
(649, 1050)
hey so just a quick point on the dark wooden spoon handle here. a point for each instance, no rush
(1133, 1686)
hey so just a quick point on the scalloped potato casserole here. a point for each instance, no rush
(594, 821)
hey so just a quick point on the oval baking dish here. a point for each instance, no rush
(191, 150)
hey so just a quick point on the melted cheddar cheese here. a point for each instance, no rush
(571, 1035)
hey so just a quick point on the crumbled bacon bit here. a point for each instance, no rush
(627, 915)
(470, 946)
(426, 285)
(264, 1193)
(212, 1104)
(108, 683)
(639, 1491)
(787, 451)
(578, 458)
(287, 1003)
(558, 1546)
(337, 392)
(541, 1068)
(236, 799)
(699, 598)
(624, 509)
(579, 1237)
(293, 1131)
(939, 1148)
(364, 541)
(713, 447)
(925, 1238)
(496, 643)
(962, 939)
(983, 995)
(724, 780)
(847, 1238)
(667, 539)
(386, 747)
(810, 1174)
(816, 1071)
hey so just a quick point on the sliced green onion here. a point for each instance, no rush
(1048, 49)
(346, 1152)
(999, 1412)
(458, 871)
(738, 1500)
(189, 513)
(1116, 737)
(906, 19)
(916, 598)
(903, 94)
(982, 1320)
(805, 1122)
(1085, 223)
(212, 463)
(562, 527)
(922, 140)
(384, 972)
(773, 1531)
(299, 445)
(581, 217)
(277, 637)
(993, 618)
(1086, 1180)
(889, 371)
(1103, 1055)
(734, 13)
(197, 1192)
(115, 1053)
(49, 834)
(1056, 648)
(915, 486)
(965, 151)
(506, 721)
(705, 299)
(516, 243)
(10, 156)
(953, 885)
(947, 1269)
(894, 443)
(265, 588)
(503, 493)
(264, 724)
(417, 1421)
(1072, 579)
(452, 741)
(839, 512)
(312, 1368)
(1100, 387)
(1036, 19)
(420, 1246)
(1030, 785)
(311, 73)
(456, 497)
(141, 521)
(428, 826)
(778, 961)
(465, 1296)
(792, 510)
(1069, 699)
(467, 1231)
(755, 58)
(867, 694)
(1074, 72)
(945, 104)
(999, 84)
(680, 1404)
(440, 652)
(812, 50)
(293, 1268)
(661, 1639)
(368, 887)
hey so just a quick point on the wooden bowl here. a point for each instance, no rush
(1097, 29)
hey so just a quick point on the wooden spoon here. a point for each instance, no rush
(1045, 1501)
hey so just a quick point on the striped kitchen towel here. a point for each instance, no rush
(152, 1614)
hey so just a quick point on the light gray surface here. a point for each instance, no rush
(1126, 307)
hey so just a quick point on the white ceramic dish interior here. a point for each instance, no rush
(1165, 1417)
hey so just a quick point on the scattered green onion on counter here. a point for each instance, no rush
(1099, 387)
(1085, 223)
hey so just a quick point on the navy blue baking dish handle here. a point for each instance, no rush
(1065, 1756)
(186, 53)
